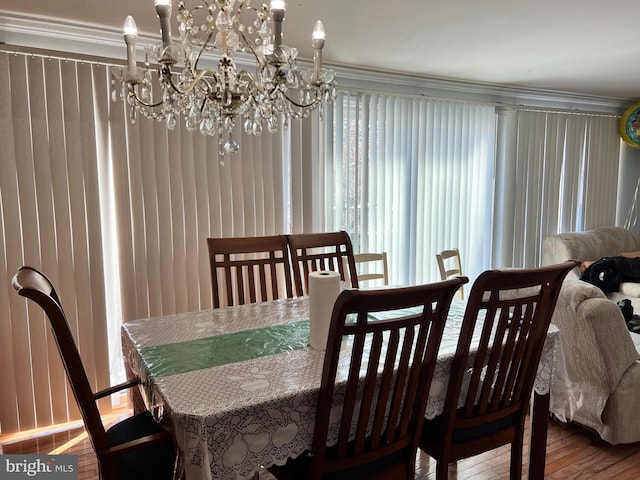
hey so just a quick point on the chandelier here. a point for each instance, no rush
(215, 100)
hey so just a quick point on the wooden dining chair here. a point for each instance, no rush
(311, 252)
(506, 319)
(136, 448)
(377, 371)
(249, 269)
(372, 266)
(450, 265)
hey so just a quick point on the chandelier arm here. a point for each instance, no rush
(252, 47)
(247, 73)
(194, 84)
(194, 65)
(200, 77)
(271, 91)
(301, 105)
(252, 82)
(134, 95)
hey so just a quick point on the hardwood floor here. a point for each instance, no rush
(572, 453)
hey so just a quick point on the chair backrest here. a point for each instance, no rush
(311, 252)
(507, 316)
(249, 269)
(34, 285)
(375, 264)
(379, 367)
(450, 265)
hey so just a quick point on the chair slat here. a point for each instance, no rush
(368, 399)
(386, 386)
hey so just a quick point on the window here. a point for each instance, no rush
(411, 176)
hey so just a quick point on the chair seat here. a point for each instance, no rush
(431, 428)
(386, 468)
(155, 462)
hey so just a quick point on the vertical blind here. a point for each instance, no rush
(171, 194)
(52, 141)
(558, 174)
(117, 215)
(412, 177)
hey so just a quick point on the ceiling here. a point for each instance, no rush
(586, 47)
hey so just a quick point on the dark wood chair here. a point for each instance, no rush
(249, 269)
(510, 311)
(378, 369)
(311, 252)
(136, 448)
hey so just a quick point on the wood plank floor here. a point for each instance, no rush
(572, 453)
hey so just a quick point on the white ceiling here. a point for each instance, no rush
(580, 46)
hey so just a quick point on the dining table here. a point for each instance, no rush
(238, 385)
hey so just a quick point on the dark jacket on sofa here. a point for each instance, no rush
(609, 272)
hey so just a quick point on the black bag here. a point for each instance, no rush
(632, 321)
(627, 309)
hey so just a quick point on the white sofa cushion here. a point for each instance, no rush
(630, 289)
(636, 340)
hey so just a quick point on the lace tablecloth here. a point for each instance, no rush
(232, 418)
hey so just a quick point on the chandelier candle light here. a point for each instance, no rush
(212, 101)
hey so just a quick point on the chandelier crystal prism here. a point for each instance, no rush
(215, 100)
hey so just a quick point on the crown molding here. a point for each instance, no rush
(55, 34)
(92, 40)
(502, 95)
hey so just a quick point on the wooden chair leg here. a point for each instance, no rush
(442, 470)
(178, 470)
(538, 443)
(516, 459)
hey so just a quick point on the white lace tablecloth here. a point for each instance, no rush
(230, 419)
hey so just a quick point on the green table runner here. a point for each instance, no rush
(235, 347)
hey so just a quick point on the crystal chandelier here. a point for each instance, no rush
(215, 100)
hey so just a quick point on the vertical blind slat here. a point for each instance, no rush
(8, 236)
